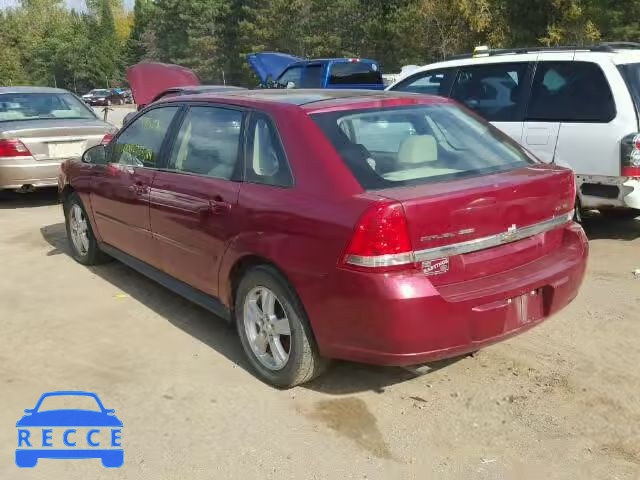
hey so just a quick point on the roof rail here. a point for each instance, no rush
(601, 47)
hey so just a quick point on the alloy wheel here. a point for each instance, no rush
(267, 328)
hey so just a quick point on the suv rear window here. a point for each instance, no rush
(631, 74)
(354, 73)
(419, 144)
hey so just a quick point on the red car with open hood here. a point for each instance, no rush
(388, 228)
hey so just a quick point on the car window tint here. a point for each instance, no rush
(139, 145)
(312, 77)
(292, 74)
(570, 92)
(355, 73)
(436, 82)
(399, 146)
(208, 142)
(497, 92)
(266, 162)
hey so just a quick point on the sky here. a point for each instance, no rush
(76, 4)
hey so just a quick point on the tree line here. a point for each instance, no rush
(43, 43)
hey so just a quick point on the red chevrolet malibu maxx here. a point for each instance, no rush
(378, 227)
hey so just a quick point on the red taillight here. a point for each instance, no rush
(106, 139)
(630, 155)
(381, 239)
(13, 148)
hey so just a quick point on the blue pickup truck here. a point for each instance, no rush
(280, 70)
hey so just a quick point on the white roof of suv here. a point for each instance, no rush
(617, 53)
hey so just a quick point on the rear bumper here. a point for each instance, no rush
(402, 319)
(628, 193)
(14, 173)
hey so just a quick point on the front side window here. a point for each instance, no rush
(140, 144)
(293, 75)
(208, 142)
(570, 92)
(496, 92)
(42, 106)
(312, 77)
(436, 82)
(266, 162)
(419, 144)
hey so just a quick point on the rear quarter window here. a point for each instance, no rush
(570, 92)
(420, 144)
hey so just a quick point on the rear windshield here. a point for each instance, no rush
(355, 73)
(42, 106)
(418, 144)
(631, 74)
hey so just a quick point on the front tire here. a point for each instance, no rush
(274, 330)
(82, 241)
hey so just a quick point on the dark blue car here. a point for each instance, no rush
(35, 431)
(280, 70)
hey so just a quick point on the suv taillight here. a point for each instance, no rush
(380, 240)
(630, 156)
(106, 139)
(13, 148)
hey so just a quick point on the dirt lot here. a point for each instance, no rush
(561, 401)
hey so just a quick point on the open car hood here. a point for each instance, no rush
(270, 63)
(147, 80)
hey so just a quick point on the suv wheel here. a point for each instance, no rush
(274, 330)
(84, 247)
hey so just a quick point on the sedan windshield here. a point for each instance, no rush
(411, 145)
(99, 93)
(42, 106)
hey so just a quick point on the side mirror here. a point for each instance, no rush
(291, 85)
(109, 411)
(28, 410)
(96, 155)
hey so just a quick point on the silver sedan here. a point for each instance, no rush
(40, 128)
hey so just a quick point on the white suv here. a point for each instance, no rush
(574, 107)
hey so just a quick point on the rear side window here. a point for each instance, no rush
(418, 144)
(496, 92)
(208, 142)
(355, 73)
(312, 77)
(570, 92)
(437, 82)
(266, 162)
(293, 74)
(140, 143)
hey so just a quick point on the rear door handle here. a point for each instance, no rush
(218, 206)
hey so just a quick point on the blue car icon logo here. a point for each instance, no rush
(62, 432)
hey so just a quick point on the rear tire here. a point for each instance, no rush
(82, 241)
(303, 361)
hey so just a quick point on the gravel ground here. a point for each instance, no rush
(559, 402)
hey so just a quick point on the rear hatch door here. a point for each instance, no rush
(270, 65)
(494, 217)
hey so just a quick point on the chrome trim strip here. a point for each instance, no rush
(381, 260)
(462, 247)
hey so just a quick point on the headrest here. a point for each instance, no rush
(418, 149)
